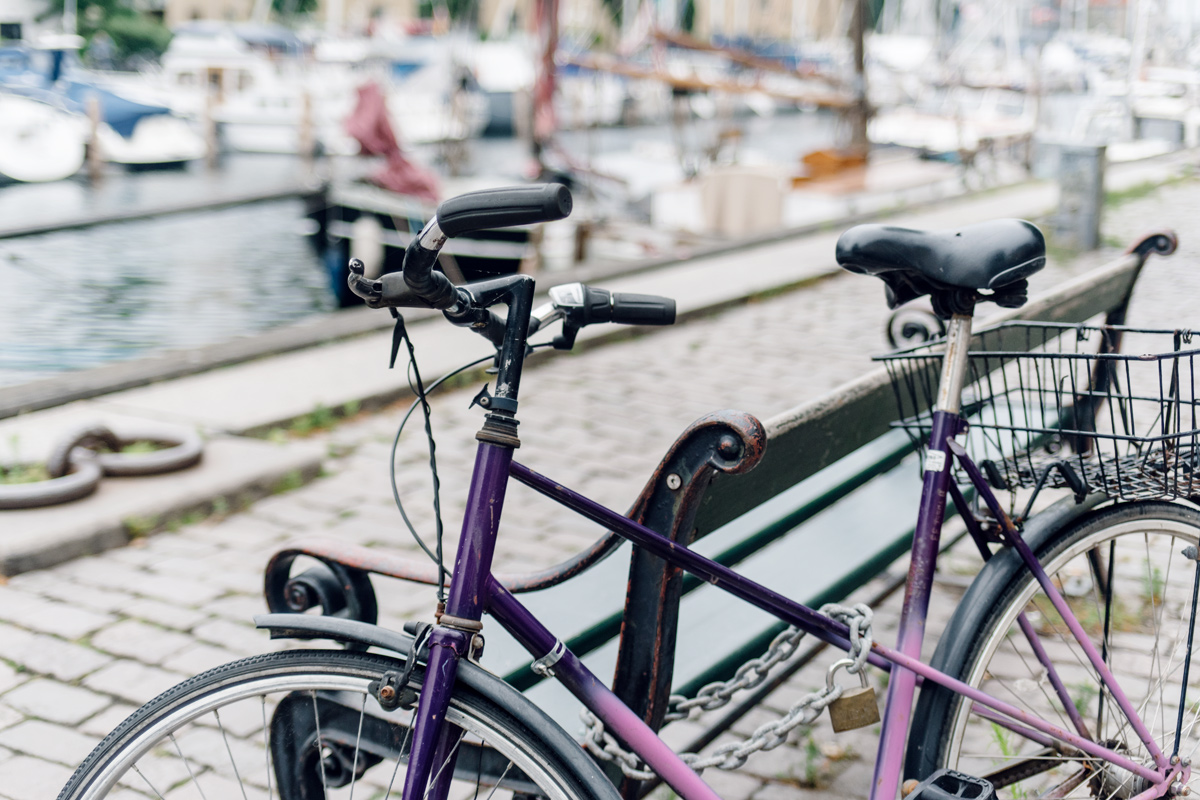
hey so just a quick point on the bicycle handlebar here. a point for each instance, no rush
(418, 285)
(490, 208)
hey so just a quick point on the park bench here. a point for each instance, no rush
(816, 502)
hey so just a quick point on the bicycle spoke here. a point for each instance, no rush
(228, 749)
(1155, 658)
(1040, 672)
(304, 704)
(362, 713)
(141, 775)
(399, 758)
(187, 765)
(1137, 626)
(1067, 786)
(449, 760)
(1106, 640)
(320, 750)
(499, 781)
(266, 729)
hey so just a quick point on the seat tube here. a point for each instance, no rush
(935, 481)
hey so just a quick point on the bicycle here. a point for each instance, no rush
(467, 730)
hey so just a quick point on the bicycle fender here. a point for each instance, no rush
(953, 644)
(479, 680)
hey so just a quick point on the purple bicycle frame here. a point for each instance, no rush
(473, 590)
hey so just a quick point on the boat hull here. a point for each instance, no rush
(39, 142)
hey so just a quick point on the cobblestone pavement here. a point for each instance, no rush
(82, 644)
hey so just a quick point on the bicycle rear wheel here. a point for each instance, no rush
(1141, 625)
(306, 724)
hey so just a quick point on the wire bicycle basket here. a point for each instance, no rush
(1039, 393)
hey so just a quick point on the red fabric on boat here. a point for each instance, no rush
(369, 124)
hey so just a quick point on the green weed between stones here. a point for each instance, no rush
(23, 473)
(289, 482)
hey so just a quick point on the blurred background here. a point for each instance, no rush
(180, 173)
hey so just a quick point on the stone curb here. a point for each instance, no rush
(233, 472)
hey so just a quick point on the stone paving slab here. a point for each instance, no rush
(233, 470)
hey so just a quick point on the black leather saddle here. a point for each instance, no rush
(953, 267)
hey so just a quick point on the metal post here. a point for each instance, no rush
(95, 158)
(307, 138)
(209, 125)
(1081, 196)
(860, 110)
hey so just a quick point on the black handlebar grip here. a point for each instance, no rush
(501, 208)
(642, 309)
(396, 293)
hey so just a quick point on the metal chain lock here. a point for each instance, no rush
(768, 736)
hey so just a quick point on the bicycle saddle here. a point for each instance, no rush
(951, 266)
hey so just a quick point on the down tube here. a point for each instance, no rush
(591, 691)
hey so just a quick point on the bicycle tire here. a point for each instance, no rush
(209, 731)
(983, 646)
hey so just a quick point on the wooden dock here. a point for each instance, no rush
(38, 208)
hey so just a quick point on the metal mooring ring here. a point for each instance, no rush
(75, 468)
(82, 480)
(184, 448)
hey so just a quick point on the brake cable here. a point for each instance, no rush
(417, 386)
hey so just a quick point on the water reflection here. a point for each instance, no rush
(77, 299)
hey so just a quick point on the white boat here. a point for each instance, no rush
(948, 121)
(39, 141)
(157, 140)
(264, 101)
(583, 98)
(129, 132)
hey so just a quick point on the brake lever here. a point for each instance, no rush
(566, 339)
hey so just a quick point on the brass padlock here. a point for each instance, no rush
(856, 708)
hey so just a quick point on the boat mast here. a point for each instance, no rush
(70, 12)
(859, 110)
(544, 123)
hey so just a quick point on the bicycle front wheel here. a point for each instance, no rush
(307, 724)
(1123, 575)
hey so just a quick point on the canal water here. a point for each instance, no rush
(76, 299)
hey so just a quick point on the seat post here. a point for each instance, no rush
(954, 365)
